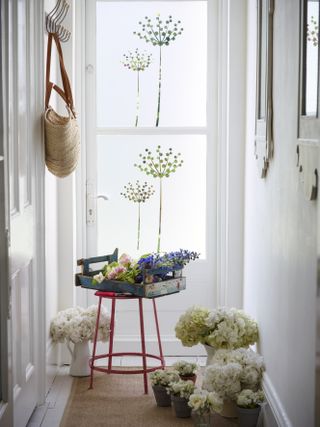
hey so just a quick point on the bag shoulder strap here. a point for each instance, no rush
(66, 93)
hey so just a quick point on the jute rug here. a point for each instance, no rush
(118, 401)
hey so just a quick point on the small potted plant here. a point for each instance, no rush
(180, 393)
(249, 406)
(231, 372)
(160, 379)
(187, 371)
(203, 404)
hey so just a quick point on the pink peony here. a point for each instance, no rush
(116, 271)
(125, 260)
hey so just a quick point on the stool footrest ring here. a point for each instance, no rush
(126, 371)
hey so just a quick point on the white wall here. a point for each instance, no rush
(60, 218)
(280, 238)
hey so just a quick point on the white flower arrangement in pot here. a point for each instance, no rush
(77, 325)
(187, 370)
(249, 405)
(231, 372)
(160, 379)
(180, 393)
(203, 404)
(222, 328)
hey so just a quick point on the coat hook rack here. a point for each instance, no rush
(55, 18)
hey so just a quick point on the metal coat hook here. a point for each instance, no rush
(55, 18)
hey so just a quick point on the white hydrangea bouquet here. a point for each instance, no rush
(250, 399)
(203, 401)
(185, 369)
(183, 389)
(164, 377)
(222, 328)
(233, 371)
(78, 325)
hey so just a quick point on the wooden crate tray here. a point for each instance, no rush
(168, 285)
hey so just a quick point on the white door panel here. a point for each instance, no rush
(22, 254)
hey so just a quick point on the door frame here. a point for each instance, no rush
(6, 408)
(229, 82)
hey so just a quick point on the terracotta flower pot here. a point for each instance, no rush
(192, 378)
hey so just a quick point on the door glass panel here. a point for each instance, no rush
(128, 79)
(183, 201)
(311, 58)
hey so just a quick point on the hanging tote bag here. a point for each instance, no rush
(62, 137)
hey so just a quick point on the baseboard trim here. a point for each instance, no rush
(51, 364)
(277, 410)
(170, 344)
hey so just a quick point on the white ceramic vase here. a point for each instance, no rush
(210, 353)
(80, 355)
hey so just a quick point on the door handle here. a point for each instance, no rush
(103, 197)
(92, 206)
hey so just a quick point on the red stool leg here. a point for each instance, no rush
(158, 332)
(113, 311)
(143, 345)
(95, 343)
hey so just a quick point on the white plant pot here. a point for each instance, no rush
(80, 355)
(210, 353)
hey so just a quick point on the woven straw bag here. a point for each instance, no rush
(62, 137)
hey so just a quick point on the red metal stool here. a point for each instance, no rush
(109, 370)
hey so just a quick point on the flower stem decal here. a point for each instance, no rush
(138, 193)
(137, 61)
(159, 33)
(159, 165)
(313, 31)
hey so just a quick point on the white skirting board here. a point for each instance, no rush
(51, 364)
(171, 346)
(274, 413)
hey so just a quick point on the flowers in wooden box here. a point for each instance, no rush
(128, 270)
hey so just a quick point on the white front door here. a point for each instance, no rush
(167, 103)
(25, 148)
(5, 372)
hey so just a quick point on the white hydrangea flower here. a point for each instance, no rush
(202, 401)
(232, 371)
(185, 368)
(230, 329)
(78, 324)
(164, 377)
(181, 388)
(250, 399)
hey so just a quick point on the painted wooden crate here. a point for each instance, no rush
(172, 281)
